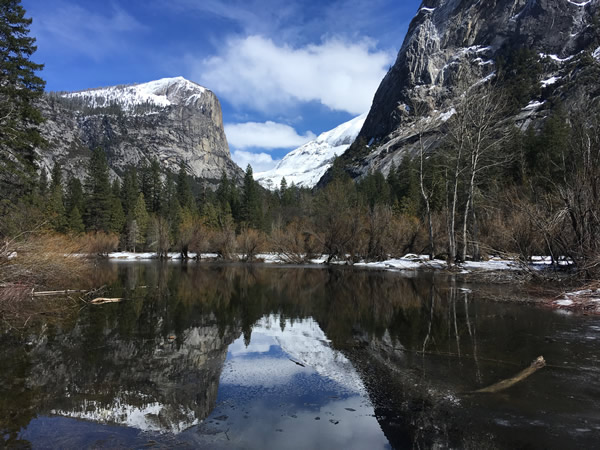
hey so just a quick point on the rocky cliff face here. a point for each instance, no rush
(156, 384)
(173, 120)
(447, 38)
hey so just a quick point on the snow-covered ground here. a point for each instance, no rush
(306, 165)
(130, 256)
(407, 262)
(585, 299)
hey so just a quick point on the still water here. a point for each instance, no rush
(236, 356)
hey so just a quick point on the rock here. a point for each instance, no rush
(173, 120)
(446, 35)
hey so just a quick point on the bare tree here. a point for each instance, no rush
(475, 133)
(424, 125)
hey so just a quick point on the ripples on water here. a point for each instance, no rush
(277, 357)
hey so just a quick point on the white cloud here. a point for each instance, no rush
(260, 162)
(59, 24)
(267, 135)
(257, 73)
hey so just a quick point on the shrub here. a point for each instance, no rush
(250, 242)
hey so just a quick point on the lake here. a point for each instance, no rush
(254, 356)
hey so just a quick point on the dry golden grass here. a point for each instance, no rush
(40, 261)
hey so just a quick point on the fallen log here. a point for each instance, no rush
(101, 300)
(505, 384)
(52, 293)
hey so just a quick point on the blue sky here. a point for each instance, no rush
(284, 71)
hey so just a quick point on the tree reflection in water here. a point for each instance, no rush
(154, 361)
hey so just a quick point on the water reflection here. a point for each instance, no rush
(290, 389)
(239, 356)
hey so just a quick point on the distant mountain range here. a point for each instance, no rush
(305, 165)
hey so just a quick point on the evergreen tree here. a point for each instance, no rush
(117, 215)
(251, 206)
(152, 186)
(210, 215)
(55, 204)
(74, 197)
(43, 183)
(184, 190)
(98, 193)
(75, 222)
(130, 191)
(56, 177)
(282, 187)
(19, 87)
(286, 193)
(224, 190)
(138, 225)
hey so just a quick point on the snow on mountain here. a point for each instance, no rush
(163, 93)
(305, 165)
(303, 341)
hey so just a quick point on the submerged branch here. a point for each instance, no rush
(101, 301)
(509, 382)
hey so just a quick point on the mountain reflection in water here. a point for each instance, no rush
(248, 356)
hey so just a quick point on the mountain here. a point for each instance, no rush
(155, 384)
(305, 165)
(448, 38)
(172, 119)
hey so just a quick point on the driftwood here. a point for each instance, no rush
(505, 384)
(101, 301)
(52, 293)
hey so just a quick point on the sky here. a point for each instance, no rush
(284, 70)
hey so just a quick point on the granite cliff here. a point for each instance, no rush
(172, 119)
(448, 38)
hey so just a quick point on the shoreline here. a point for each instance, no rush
(585, 299)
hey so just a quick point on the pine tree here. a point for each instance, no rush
(55, 204)
(43, 183)
(117, 216)
(130, 191)
(19, 87)
(75, 222)
(184, 190)
(98, 193)
(286, 193)
(74, 197)
(282, 187)
(139, 223)
(251, 206)
(152, 186)
(223, 191)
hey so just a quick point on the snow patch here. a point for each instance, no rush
(534, 104)
(596, 53)
(446, 116)
(564, 302)
(556, 58)
(549, 81)
(162, 93)
(580, 3)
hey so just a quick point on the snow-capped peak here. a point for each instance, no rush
(162, 93)
(306, 165)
